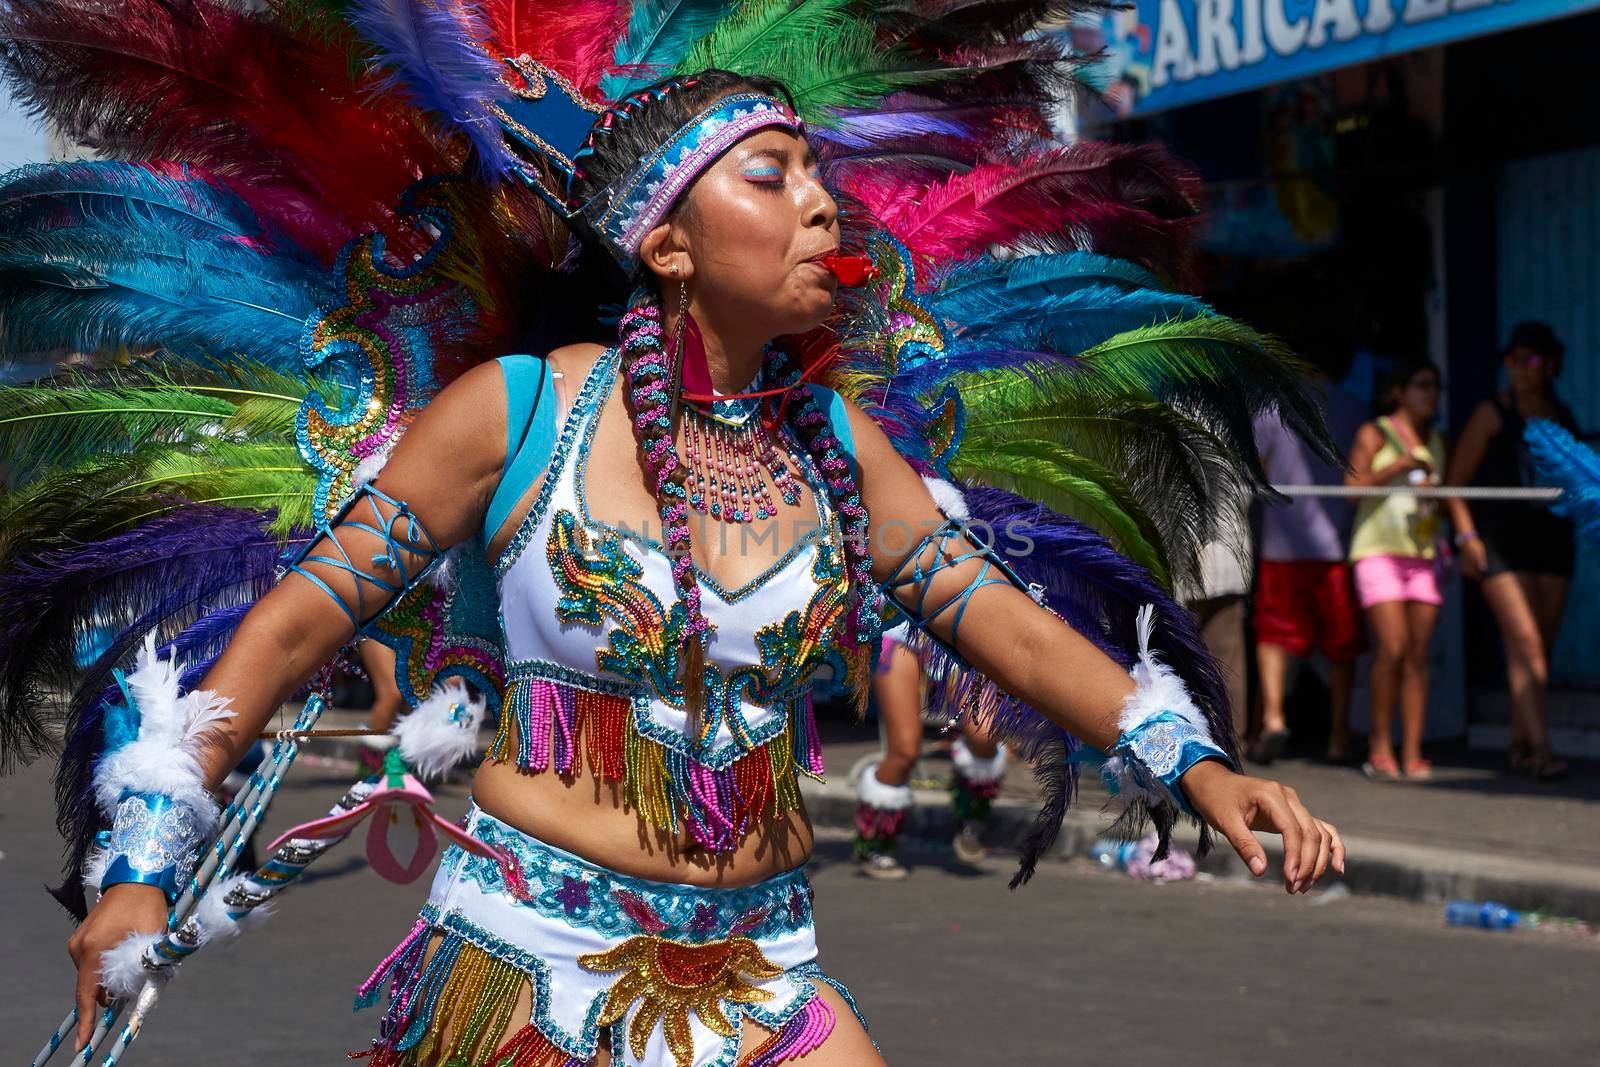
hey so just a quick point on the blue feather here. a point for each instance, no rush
(435, 52)
(98, 255)
(1066, 310)
(659, 35)
(1564, 461)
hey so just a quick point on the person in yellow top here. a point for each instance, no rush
(1393, 548)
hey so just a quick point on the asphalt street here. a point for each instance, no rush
(1081, 966)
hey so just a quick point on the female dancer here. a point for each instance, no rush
(978, 769)
(670, 534)
(1393, 549)
(1522, 556)
(762, 199)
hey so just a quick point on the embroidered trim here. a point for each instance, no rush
(826, 532)
(416, 992)
(601, 375)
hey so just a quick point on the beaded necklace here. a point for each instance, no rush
(729, 453)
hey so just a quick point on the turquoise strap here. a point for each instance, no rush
(911, 583)
(530, 434)
(395, 579)
(839, 416)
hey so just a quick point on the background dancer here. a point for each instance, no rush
(978, 769)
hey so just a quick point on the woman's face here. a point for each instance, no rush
(754, 225)
(1528, 370)
(1419, 396)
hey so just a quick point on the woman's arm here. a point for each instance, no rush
(1369, 439)
(1465, 460)
(445, 468)
(1037, 658)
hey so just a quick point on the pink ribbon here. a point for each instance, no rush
(389, 802)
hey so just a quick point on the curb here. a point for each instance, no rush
(1378, 867)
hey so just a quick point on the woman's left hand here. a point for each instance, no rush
(1236, 804)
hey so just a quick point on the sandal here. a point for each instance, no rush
(1545, 766)
(1381, 769)
(1269, 747)
(1418, 770)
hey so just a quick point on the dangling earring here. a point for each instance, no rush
(676, 381)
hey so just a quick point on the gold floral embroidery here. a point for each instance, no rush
(671, 978)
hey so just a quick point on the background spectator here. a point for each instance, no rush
(1393, 549)
(1305, 601)
(1521, 553)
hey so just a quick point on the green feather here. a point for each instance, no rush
(1171, 464)
(778, 39)
(1070, 484)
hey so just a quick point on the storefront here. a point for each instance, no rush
(1393, 179)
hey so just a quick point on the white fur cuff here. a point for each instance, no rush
(443, 731)
(217, 918)
(875, 794)
(174, 729)
(974, 769)
(122, 969)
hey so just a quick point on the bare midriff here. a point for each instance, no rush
(587, 817)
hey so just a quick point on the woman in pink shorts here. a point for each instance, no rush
(1393, 550)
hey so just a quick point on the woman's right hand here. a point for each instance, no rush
(1474, 558)
(129, 908)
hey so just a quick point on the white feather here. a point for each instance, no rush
(94, 870)
(875, 794)
(443, 576)
(1156, 687)
(122, 969)
(443, 731)
(948, 498)
(369, 468)
(974, 769)
(212, 914)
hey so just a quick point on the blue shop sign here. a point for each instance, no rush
(1168, 53)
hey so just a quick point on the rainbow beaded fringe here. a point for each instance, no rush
(549, 725)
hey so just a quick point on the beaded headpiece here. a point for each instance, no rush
(621, 214)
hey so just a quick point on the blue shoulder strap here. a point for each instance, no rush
(530, 433)
(839, 416)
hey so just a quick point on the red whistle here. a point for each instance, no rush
(852, 271)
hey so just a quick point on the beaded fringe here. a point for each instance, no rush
(452, 1010)
(667, 788)
(804, 1033)
(461, 1000)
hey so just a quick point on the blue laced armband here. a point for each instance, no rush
(910, 586)
(393, 572)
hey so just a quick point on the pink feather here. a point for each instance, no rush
(1121, 200)
(573, 37)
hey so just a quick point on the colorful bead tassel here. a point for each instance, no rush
(547, 725)
(804, 1033)
(462, 998)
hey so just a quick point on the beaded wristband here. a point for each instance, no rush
(155, 840)
(1156, 754)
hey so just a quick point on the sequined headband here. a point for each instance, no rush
(627, 210)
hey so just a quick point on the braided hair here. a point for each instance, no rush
(626, 132)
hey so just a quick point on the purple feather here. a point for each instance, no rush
(435, 52)
(1098, 592)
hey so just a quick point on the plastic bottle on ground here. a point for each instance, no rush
(1488, 915)
(1112, 854)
